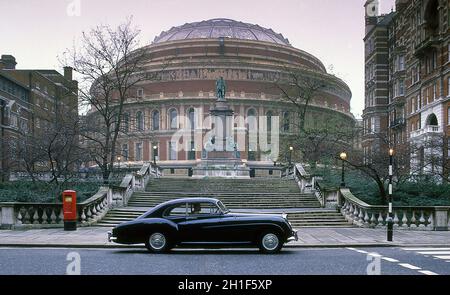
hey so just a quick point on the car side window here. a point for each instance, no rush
(202, 209)
(176, 211)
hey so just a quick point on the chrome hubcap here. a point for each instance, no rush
(157, 241)
(270, 242)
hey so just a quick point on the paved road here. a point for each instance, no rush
(347, 261)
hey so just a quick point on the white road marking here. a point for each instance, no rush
(359, 251)
(443, 257)
(390, 259)
(434, 252)
(406, 265)
(429, 273)
(374, 255)
(426, 249)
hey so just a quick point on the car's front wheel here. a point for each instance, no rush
(158, 242)
(270, 242)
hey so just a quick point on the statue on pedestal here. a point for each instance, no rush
(221, 88)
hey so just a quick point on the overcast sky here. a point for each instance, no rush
(37, 31)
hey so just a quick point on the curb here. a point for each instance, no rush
(118, 246)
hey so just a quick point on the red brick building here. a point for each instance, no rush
(29, 100)
(407, 80)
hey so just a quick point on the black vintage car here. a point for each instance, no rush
(203, 221)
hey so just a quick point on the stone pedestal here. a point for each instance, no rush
(223, 159)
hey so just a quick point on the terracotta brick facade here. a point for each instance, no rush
(411, 72)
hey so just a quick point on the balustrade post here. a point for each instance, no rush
(44, 216)
(373, 220)
(7, 217)
(441, 219)
(413, 220)
(35, 215)
(422, 220)
(380, 219)
(53, 217)
(405, 219)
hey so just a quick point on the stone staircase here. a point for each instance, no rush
(265, 195)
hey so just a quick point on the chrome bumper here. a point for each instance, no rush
(111, 238)
(294, 237)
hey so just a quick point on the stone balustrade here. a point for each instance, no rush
(48, 215)
(364, 215)
(416, 218)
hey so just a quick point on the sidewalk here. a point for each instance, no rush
(96, 237)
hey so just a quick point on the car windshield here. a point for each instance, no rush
(222, 207)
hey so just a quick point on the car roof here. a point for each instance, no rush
(191, 200)
(163, 206)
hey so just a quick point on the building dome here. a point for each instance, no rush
(221, 27)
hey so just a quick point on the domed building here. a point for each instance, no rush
(189, 59)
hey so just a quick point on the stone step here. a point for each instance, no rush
(228, 204)
(226, 199)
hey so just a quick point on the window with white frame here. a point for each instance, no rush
(140, 92)
(448, 52)
(172, 150)
(139, 121)
(448, 147)
(155, 120)
(448, 116)
(401, 63)
(434, 91)
(173, 120)
(448, 86)
(125, 152)
(138, 153)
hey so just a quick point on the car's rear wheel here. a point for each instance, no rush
(158, 242)
(270, 242)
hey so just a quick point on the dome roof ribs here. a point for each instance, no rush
(221, 27)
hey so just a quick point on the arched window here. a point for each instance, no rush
(139, 121)
(126, 122)
(155, 120)
(286, 122)
(269, 116)
(191, 116)
(252, 134)
(432, 120)
(251, 120)
(173, 119)
(431, 17)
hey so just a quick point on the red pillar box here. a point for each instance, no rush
(70, 210)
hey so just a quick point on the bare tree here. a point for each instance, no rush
(111, 65)
(52, 148)
(300, 87)
(429, 161)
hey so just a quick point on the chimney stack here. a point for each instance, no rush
(400, 4)
(8, 62)
(68, 73)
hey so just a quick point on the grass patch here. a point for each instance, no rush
(41, 192)
(406, 194)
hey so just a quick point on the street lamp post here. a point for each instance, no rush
(118, 159)
(390, 222)
(291, 149)
(343, 157)
(154, 154)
